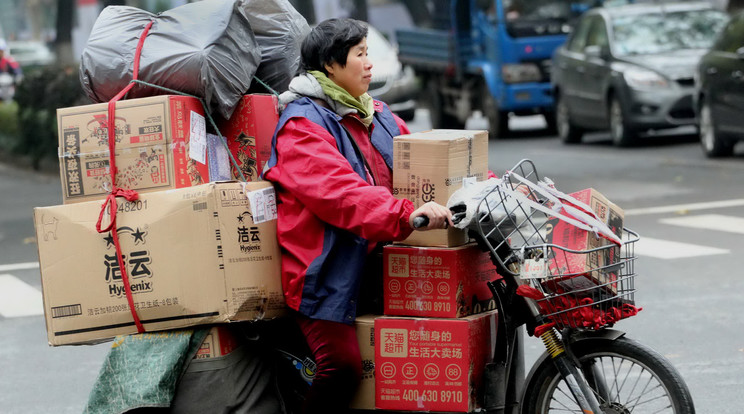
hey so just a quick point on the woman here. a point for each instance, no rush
(331, 165)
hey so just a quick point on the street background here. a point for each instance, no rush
(689, 282)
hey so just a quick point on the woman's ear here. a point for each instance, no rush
(329, 70)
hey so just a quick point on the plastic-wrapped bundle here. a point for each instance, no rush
(279, 30)
(207, 49)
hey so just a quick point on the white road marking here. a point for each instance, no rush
(19, 266)
(17, 298)
(685, 207)
(717, 222)
(665, 249)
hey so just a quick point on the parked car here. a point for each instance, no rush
(30, 54)
(392, 83)
(720, 91)
(630, 68)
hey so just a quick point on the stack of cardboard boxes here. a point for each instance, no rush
(196, 251)
(200, 251)
(429, 349)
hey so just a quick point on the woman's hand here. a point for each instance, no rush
(439, 216)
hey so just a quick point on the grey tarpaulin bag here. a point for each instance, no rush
(206, 49)
(279, 30)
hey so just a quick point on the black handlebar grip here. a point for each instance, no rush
(420, 221)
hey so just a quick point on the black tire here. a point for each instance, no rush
(551, 124)
(713, 143)
(661, 389)
(622, 133)
(567, 131)
(498, 121)
(439, 118)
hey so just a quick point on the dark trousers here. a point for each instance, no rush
(339, 365)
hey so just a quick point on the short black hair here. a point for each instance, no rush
(329, 42)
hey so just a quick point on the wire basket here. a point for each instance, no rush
(586, 289)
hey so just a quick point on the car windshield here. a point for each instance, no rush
(666, 32)
(540, 17)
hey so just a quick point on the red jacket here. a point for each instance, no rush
(329, 215)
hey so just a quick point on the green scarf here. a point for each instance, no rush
(365, 103)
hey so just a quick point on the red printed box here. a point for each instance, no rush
(437, 282)
(160, 144)
(249, 132)
(582, 267)
(220, 341)
(427, 364)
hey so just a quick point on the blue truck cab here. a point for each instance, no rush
(489, 55)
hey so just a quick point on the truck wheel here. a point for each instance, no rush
(439, 118)
(567, 131)
(551, 126)
(498, 121)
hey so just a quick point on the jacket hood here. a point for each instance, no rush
(305, 85)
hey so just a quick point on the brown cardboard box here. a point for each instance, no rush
(249, 132)
(365, 396)
(583, 266)
(158, 142)
(196, 255)
(439, 282)
(432, 364)
(430, 166)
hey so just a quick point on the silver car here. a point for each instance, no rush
(630, 69)
(391, 83)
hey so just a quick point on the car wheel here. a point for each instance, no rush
(712, 141)
(439, 118)
(498, 121)
(567, 132)
(622, 134)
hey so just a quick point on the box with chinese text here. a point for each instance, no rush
(439, 282)
(364, 399)
(585, 270)
(249, 132)
(427, 364)
(160, 144)
(430, 166)
(197, 255)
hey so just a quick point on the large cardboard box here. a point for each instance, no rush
(196, 255)
(160, 144)
(430, 166)
(426, 364)
(249, 132)
(583, 267)
(364, 399)
(438, 282)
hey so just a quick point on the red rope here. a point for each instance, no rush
(129, 195)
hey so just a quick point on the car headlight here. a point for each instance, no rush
(521, 73)
(644, 79)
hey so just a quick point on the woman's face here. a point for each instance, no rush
(356, 75)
